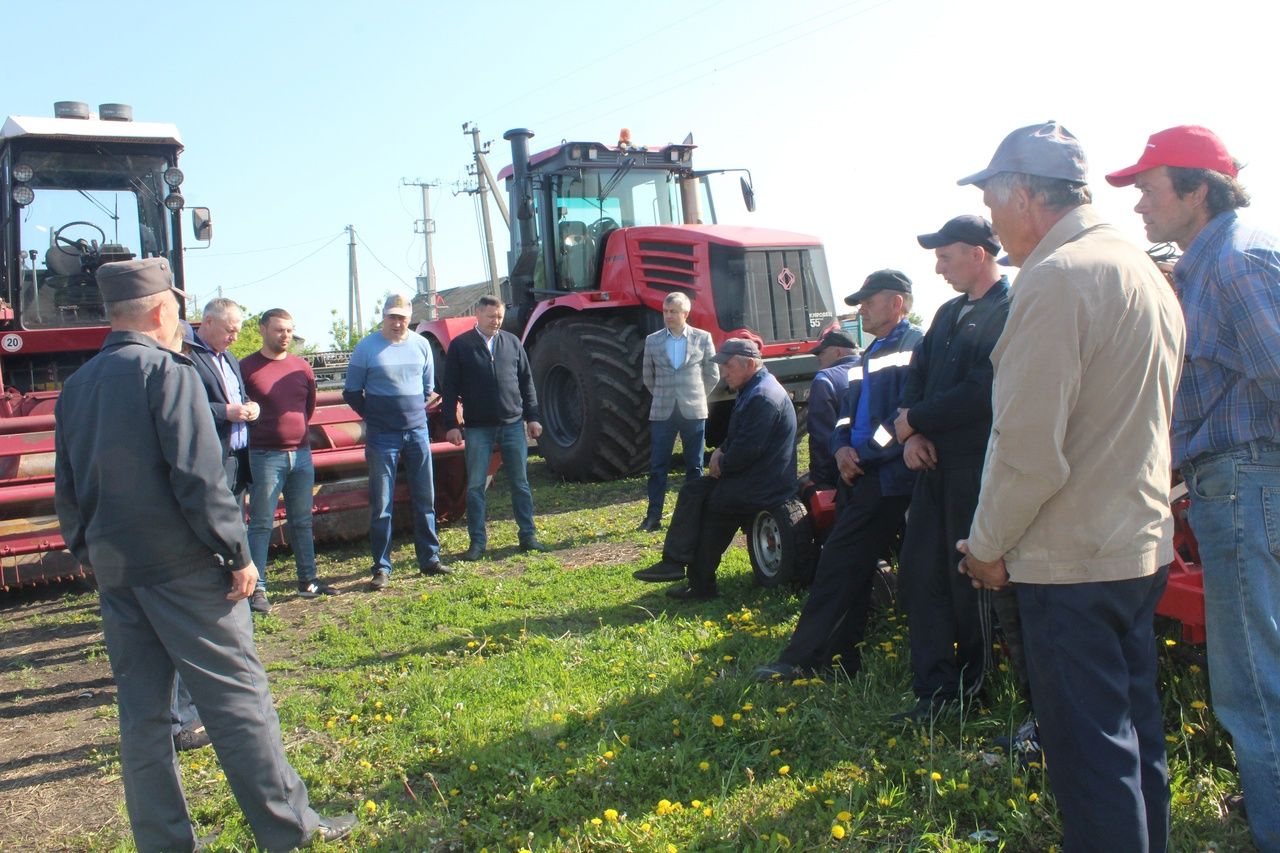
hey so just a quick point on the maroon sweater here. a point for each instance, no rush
(286, 391)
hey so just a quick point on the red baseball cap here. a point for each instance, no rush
(1186, 146)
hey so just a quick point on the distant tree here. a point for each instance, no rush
(344, 337)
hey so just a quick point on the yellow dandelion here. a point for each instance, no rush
(935, 776)
(1198, 705)
(781, 711)
(736, 717)
(727, 658)
(811, 789)
(664, 807)
(671, 848)
(784, 770)
(473, 768)
(844, 816)
(645, 827)
(775, 752)
(354, 718)
(695, 804)
(562, 744)
(1032, 797)
(717, 720)
(370, 806)
(837, 831)
(706, 812)
(962, 786)
(747, 707)
(885, 801)
(626, 740)
(378, 704)
(557, 717)
(595, 821)
(1171, 738)
(892, 742)
(1193, 669)
(704, 766)
(331, 723)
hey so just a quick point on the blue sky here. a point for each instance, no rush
(855, 116)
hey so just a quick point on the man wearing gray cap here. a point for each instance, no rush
(142, 500)
(753, 470)
(1074, 507)
(943, 425)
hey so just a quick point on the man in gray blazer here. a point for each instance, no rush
(679, 373)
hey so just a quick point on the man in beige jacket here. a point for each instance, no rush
(1074, 502)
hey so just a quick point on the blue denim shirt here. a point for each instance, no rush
(1228, 282)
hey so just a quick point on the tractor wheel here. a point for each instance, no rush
(780, 544)
(595, 410)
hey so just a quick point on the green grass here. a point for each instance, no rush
(523, 704)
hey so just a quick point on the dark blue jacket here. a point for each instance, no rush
(206, 364)
(825, 396)
(496, 389)
(948, 390)
(889, 364)
(758, 461)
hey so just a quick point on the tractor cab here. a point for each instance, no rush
(79, 191)
(567, 200)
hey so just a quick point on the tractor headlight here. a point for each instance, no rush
(173, 177)
(23, 195)
(174, 201)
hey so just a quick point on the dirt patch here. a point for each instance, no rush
(58, 731)
(59, 737)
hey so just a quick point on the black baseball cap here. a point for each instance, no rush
(878, 281)
(972, 230)
(834, 338)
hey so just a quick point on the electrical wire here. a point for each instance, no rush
(291, 266)
(381, 264)
(267, 249)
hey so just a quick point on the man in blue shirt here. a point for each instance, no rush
(390, 377)
(1226, 435)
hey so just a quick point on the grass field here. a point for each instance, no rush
(551, 702)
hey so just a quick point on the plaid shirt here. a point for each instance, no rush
(1229, 284)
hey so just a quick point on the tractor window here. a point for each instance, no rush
(88, 210)
(591, 203)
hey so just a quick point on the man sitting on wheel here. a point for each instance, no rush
(753, 470)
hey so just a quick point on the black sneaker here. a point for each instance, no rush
(380, 581)
(472, 554)
(259, 603)
(684, 592)
(663, 571)
(532, 544)
(778, 671)
(436, 568)
(191, 739)
(315, 588)
(925, 710)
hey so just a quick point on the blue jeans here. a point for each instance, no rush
(290, 472)
(1235, 513)
(662, 441)
(514, 447)
(384, 451)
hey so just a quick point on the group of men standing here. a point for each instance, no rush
(1033, 433)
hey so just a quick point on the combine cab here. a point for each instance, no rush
(600, 236)
(78, 191)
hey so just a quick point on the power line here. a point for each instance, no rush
(361, 241)
(291, 266)
(257, 251)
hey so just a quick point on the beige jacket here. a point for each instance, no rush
(1076, 483)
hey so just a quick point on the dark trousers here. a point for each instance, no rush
(1091, 655)
(188, 626)
(662, 441)
(698, 534)
(950, 621)
(834, 618)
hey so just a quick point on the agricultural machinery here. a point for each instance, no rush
(80, 190)
(600, 235)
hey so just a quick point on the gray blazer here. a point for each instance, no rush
(685, 385)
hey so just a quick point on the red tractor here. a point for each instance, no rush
(81, 190)
(600, 236)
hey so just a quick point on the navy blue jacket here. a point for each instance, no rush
(496, 390)
(890, 364)
(825, 396)
(758, 461)
(211, 377)
(948, 390)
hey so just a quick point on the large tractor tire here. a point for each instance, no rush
(595, 409)
(780, 544)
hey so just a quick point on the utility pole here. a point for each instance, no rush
(426, 283)
(355, 318)
(483, 188)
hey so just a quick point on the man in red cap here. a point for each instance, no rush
(1226, 435)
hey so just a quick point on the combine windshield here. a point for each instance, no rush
(89, 209)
